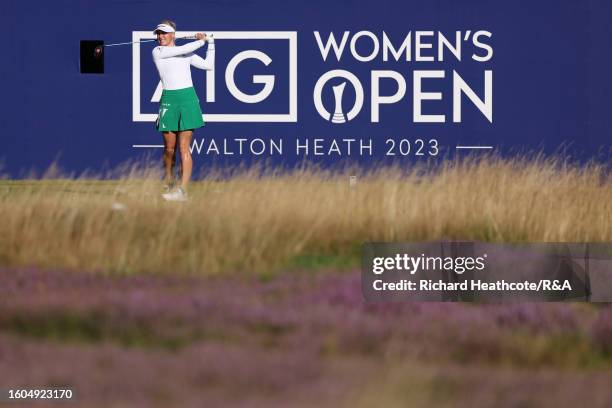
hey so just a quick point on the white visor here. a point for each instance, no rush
(163, 27)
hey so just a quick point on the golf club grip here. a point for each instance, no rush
(193, 37)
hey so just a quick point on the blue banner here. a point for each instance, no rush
(324, 82)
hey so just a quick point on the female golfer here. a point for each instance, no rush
(179, 110)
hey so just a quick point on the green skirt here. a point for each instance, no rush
(179, 109)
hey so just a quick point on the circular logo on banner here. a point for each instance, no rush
(338, 115)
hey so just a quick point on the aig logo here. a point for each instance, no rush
(232, 73)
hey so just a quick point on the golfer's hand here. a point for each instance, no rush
(200, 36)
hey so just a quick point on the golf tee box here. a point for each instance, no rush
(91, 57)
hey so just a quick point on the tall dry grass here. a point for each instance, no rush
(257, 221)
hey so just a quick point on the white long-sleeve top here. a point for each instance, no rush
(173, 63)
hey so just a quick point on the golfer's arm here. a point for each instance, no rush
(167, 52)
(206, 64)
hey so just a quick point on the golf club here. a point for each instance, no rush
(100, 48)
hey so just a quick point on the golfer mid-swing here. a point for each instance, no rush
(179, 109)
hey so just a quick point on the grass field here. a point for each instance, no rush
(263, 223)
(250, 294)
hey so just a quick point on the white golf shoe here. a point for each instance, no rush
(178, 194)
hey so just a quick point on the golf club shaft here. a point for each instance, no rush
(141, 41)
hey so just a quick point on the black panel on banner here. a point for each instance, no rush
(92, 57)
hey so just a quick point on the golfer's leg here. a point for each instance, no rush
(186, 161)
(169, 154)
